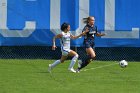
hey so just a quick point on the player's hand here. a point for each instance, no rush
(103, 34)
(54, 47)
(87, 30)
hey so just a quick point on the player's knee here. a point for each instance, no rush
(93, 57)
(76, 55)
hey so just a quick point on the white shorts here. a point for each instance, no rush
(65, 52)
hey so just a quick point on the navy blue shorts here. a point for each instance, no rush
(88, 44)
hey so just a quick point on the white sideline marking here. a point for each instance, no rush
(99, 67)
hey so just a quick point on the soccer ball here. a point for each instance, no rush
(123, 63)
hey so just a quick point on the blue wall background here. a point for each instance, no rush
(127, 16)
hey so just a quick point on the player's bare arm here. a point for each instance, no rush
(100, 34)
(83, 33)
(54, 38)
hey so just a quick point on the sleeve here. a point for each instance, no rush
(70, 34)
(84, 28)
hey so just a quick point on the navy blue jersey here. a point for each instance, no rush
(89, 37)
(91, 33)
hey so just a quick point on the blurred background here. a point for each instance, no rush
(28, 26)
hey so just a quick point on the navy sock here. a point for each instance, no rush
(85, 62)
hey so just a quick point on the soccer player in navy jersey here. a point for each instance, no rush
(89, 42)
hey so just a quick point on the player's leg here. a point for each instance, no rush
(57, 62)
(74, 56)
(90, 55)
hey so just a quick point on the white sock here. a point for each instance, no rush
(55, 63)
(73, 61)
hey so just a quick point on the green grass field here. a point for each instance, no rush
(31, 76)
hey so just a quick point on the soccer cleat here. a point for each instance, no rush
(72, 70)
(78, 71)
(79, 63)
(49, 68)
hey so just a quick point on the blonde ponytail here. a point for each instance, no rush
(86, 20)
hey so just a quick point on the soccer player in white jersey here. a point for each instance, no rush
(65, 37)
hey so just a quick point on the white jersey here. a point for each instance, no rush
(65, 41)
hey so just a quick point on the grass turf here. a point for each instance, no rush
(31, 76)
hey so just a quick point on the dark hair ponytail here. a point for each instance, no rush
(64, 26)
